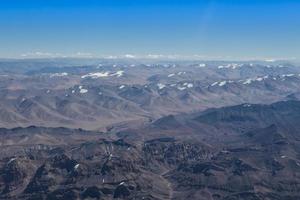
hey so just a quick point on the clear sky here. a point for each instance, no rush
(209, 28)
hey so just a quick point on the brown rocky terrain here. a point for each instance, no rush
(164, 130)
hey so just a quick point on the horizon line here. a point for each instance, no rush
(80, 55)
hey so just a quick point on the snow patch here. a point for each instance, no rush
(181, 73)
(288, 75)
(215, 83)
(248, 81)
(283, 156)
(96, 75)
(118, 74)
(82, 90)
(188, 85)
(58, 74)
(181, 88)
(102, 74)
(122, 183)
(222, 83)
(161, 86)
(76, 166)
(230, 66)
(11, 160)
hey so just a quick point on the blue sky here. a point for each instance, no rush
(234, 29)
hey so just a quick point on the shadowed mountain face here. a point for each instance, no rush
(111, 129)
(252, 152)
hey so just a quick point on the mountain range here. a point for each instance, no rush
(115, 129)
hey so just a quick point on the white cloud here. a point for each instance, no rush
(129, 56)
(40, 54)
(83, 55)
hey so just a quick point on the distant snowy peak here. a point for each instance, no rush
(118, 73)
(59, 74)
(103, 74)
(230, 66)
(202, 65)
(96, 75)
(249, 81)
(221, 83)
